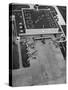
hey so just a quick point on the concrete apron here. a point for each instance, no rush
(47, 67)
